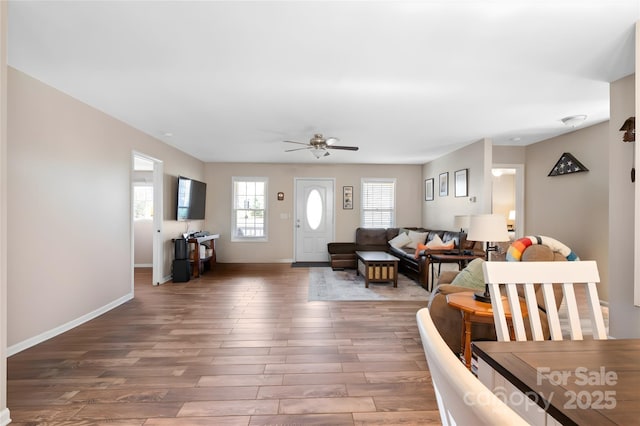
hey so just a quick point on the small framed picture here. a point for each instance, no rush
(428, 189)
(347, 197)
(443, 184)
(280, 196)
(461, 181)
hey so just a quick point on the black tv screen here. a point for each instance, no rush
(192, 196)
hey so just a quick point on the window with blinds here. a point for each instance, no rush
(378, 203)
(249, 209)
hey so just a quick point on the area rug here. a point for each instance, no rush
(327, 284)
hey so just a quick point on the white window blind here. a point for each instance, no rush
(378, 203)
(249, 209)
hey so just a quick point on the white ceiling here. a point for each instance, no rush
(406, 81)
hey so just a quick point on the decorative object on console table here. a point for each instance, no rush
(428, 189)
(443, 184)
(461, 183)
(347, 197)
(490, 228)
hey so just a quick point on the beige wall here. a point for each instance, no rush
(439, 213)
(624, 321)
(572, 208)
(69, 209)
(280, 247)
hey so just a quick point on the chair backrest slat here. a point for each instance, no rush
(513, 275)
(462, 398)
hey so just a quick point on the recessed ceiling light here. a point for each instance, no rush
(574, 120)
(167, 134)
(515, 139)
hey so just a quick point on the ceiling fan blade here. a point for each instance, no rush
(331, 140)
(347, 148)
(297, 149)
(299, 143)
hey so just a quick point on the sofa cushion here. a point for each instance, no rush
(471, 276)
(416, 238)
(400, 241)
(437, 244)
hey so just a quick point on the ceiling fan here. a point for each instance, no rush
(319, 145)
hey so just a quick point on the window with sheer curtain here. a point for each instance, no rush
(378, 203)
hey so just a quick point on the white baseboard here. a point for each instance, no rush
(143, 265)
(25, 344)
(5, 418)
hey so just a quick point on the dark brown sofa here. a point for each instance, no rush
(343, 255)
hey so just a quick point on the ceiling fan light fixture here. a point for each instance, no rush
(319, 152)
(573, 120)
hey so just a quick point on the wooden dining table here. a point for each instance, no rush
(569, 382)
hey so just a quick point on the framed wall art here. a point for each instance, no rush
(347, 197)
(461, 183)
(428, 189)
(443, 184)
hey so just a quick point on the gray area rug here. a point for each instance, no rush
(327, 284)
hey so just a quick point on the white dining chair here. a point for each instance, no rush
(526, 275)
(462, 398)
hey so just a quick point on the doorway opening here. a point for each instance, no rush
(507, 196)
(146, 216)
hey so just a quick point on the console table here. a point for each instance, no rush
(199, 262)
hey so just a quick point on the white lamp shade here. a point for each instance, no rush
(488, 227)
(461, 222)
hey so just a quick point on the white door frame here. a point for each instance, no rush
(158, 206)
(296, 181)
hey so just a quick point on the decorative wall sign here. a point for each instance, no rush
(567, 164)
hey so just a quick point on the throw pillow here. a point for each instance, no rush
(416, 238)
(437, 244)
(471, 276)
(400, 241)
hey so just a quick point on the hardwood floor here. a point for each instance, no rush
(238, 346)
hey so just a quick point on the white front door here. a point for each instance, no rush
(314, 219)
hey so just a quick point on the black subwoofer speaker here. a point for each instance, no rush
(181, 270)
(181, 249)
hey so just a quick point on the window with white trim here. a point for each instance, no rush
(378, 203)
(142, 201)
(249, 216)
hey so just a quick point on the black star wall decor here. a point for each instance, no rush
(567, 164)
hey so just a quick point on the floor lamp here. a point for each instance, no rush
(490, 228)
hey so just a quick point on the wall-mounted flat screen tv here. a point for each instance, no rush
(192, 197)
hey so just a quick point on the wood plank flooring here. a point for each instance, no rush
(241, 345)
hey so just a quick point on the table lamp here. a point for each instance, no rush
(488, 228)
(461, 222)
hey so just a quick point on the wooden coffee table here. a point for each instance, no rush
(378, 266)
